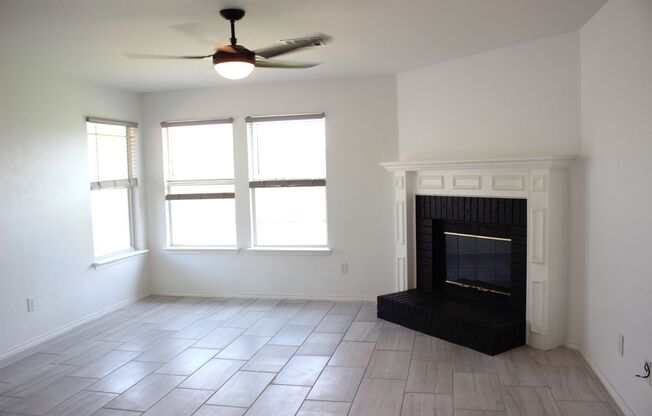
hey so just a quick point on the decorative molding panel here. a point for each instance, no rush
(537, 306)
(399, 182)
(430, 181)
(543, 162)
(401, 273)
(466, 182)
(400, 222)
(538, 183)
(507, 182)
(538, 235)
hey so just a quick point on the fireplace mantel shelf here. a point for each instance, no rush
(502, 162)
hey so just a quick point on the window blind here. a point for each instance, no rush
(174, 196)
(287, 183)
(97, 132)
(285, 117)
(196, 122)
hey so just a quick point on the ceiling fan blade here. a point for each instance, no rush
(291, 45)
(200, 33)
(264, 63)
(151, 56)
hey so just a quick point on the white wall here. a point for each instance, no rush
(520, 100)
(360, 133)
(46, 246)
(616, 61)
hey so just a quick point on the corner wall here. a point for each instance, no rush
(46, 245)
(520, 100)
(616, 50)
(523, 100)
(360, 133)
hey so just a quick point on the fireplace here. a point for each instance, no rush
(470, 272)
(473, 249)
(476, 194)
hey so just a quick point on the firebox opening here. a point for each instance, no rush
(479, 262)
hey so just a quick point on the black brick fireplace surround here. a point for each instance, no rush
(470, 272)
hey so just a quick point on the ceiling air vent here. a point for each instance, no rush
(316, 40)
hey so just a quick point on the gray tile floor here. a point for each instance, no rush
(227, 357)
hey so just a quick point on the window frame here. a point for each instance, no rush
(254, 184)
(130, 184)
(168, 183)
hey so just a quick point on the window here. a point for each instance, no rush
(287, 179)
(111, 151)
(199, 183)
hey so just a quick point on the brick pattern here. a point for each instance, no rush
(486, 322)
(474, 326)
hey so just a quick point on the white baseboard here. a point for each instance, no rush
(60, 330)
(264, 296)
(615, 396)
(571, 345)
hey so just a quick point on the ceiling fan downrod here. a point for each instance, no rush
(232, 15)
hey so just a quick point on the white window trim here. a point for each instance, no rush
(201, 250)
(253, 165)
(130, 185)
(291, 251)
(168, 173)
(117, 258)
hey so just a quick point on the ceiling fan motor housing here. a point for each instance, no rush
(239, 54)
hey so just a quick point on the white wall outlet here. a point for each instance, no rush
(621, 344)
(30, 304)
(344, 268)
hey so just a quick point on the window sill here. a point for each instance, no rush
(99, 263)
(202, 250)
(292, 251)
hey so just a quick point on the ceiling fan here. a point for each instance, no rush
(234, 61)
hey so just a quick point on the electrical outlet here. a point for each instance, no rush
(30, 304)
(344, 268)
(621, 344)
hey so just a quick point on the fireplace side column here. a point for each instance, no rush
(400, 230)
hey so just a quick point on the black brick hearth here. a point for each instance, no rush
(477, 309)
(483, 329)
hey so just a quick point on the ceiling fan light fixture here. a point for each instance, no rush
(234, 69)
(237, 64)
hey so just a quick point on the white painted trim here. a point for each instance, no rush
(291, 251)
(100, 263)
(467, 182)
(400, 222)
(507, 182)
(202, 250)
(613, 393)
(537, 307)
(60, 330)
(430, 181)
(538, 236)
(334, 298)
(538, 183)
(504, 162)
(572, 345)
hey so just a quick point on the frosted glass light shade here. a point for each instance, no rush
(234, 69)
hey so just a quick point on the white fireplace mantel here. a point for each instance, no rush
(543, 181)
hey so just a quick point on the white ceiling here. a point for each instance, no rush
(87, 38)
